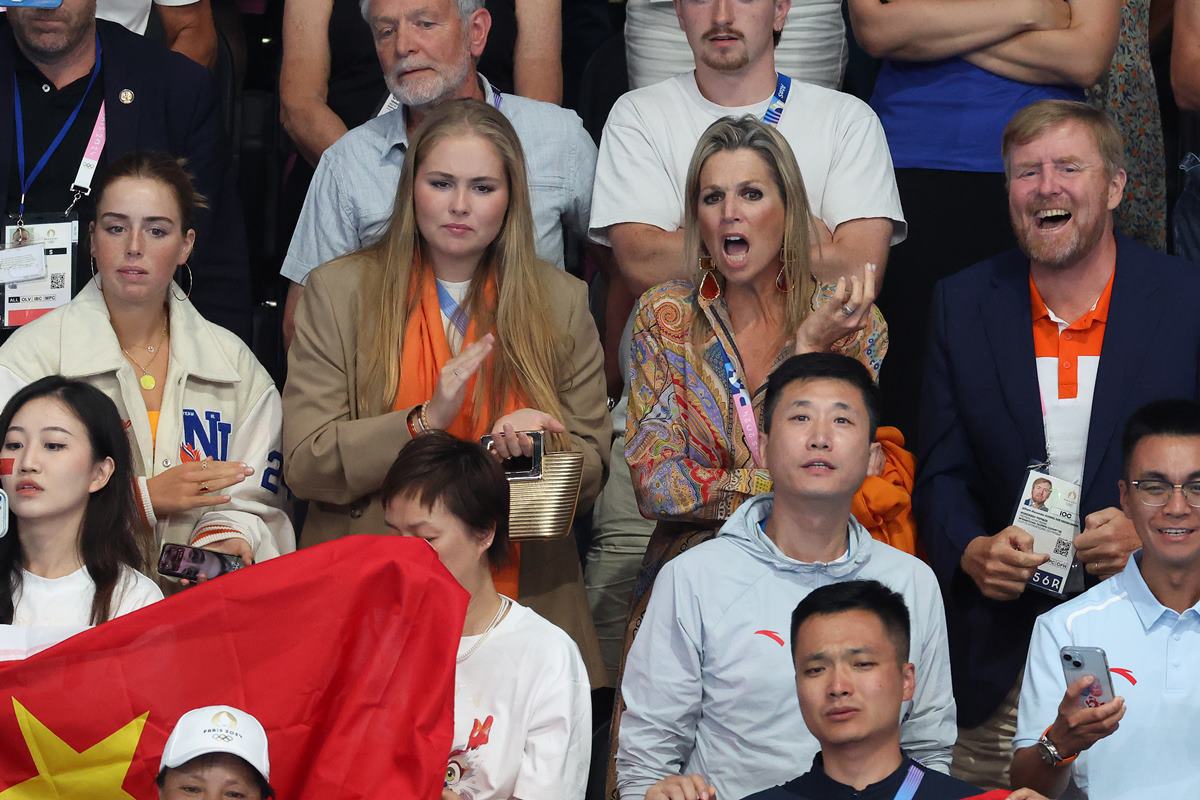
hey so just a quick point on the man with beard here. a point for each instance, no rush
(1036, 359)
(428, 50)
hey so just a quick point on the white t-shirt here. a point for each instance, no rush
(522, 714)
(132, 14)
(67, 601)
(651, 133)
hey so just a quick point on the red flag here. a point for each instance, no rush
(994, 794)
(345, 652)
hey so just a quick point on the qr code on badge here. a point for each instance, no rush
(58, 280)
(1062, 547)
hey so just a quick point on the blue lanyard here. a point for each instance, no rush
(27, 180)
(783, 86)
(912, 780)
(451, 308)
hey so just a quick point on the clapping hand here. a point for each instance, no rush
(451, 389)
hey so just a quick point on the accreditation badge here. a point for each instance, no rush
(1048, 510)
(49, 242)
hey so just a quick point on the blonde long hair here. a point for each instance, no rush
(524, 360)
(749, 133)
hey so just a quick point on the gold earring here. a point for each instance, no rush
(710, 288)
(191, 283)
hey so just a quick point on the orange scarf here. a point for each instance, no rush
(423, 355)
(884, 502)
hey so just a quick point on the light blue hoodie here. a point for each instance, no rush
(710, 687)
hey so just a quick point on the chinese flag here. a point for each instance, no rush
(994, 794)
(345, 652)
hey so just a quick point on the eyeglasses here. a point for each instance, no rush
(1159, 493)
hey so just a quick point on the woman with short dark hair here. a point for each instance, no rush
(522, 706)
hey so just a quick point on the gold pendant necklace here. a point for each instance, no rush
(147, 380)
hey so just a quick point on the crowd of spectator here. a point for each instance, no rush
(868, 326)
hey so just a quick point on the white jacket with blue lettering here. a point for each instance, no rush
(218, 403)
(710, 686)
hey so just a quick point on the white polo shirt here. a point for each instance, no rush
(1154, 661)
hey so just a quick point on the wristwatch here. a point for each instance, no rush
(1049, 752)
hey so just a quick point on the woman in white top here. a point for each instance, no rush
(522, 704)
(70, 556)
(203, 416)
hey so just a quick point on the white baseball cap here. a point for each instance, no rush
(218, 729)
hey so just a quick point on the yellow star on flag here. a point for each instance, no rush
(65, 774)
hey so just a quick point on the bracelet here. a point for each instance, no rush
(425, 426)
(415, 421)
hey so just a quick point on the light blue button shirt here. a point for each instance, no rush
(349, 201)
(1154, 662)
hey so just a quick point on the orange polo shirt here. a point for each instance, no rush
(1068, 358)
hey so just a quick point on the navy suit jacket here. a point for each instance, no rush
(981, 426)
(174, 110)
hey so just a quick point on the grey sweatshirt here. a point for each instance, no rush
(710, 686)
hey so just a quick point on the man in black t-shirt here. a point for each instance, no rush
(849, 642)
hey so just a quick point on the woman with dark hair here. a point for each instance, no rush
(203, 416)
(522, 708)
(71, 556)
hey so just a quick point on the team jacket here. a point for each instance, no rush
(218, 403)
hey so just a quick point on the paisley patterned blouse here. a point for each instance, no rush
(684, 443)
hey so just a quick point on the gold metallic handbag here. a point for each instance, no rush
(543, 493)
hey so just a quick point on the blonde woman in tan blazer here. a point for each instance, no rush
(449, 322)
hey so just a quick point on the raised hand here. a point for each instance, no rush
(844, 314)
(451, 389)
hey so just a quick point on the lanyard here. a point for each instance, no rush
(28, 179)
(450, 307)
(912, 780)
(783, 87)
(744, 408)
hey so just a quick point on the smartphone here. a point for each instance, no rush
(190, 563)
(3, 513)
(522, 468)
(1080, 661)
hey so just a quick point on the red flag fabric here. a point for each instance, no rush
(345, 652)
(994, 794)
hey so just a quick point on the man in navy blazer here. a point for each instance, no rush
(154, 99)
(1036, 356)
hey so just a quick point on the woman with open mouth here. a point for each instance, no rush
(703, 348)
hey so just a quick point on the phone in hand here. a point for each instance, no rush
(192, 563)
(1080, 661)
(3, 513)
(522, 468)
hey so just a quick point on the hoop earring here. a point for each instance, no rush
(95, 276)
(710, 288)
(191, 283)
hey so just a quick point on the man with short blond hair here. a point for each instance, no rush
(1036, 359)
